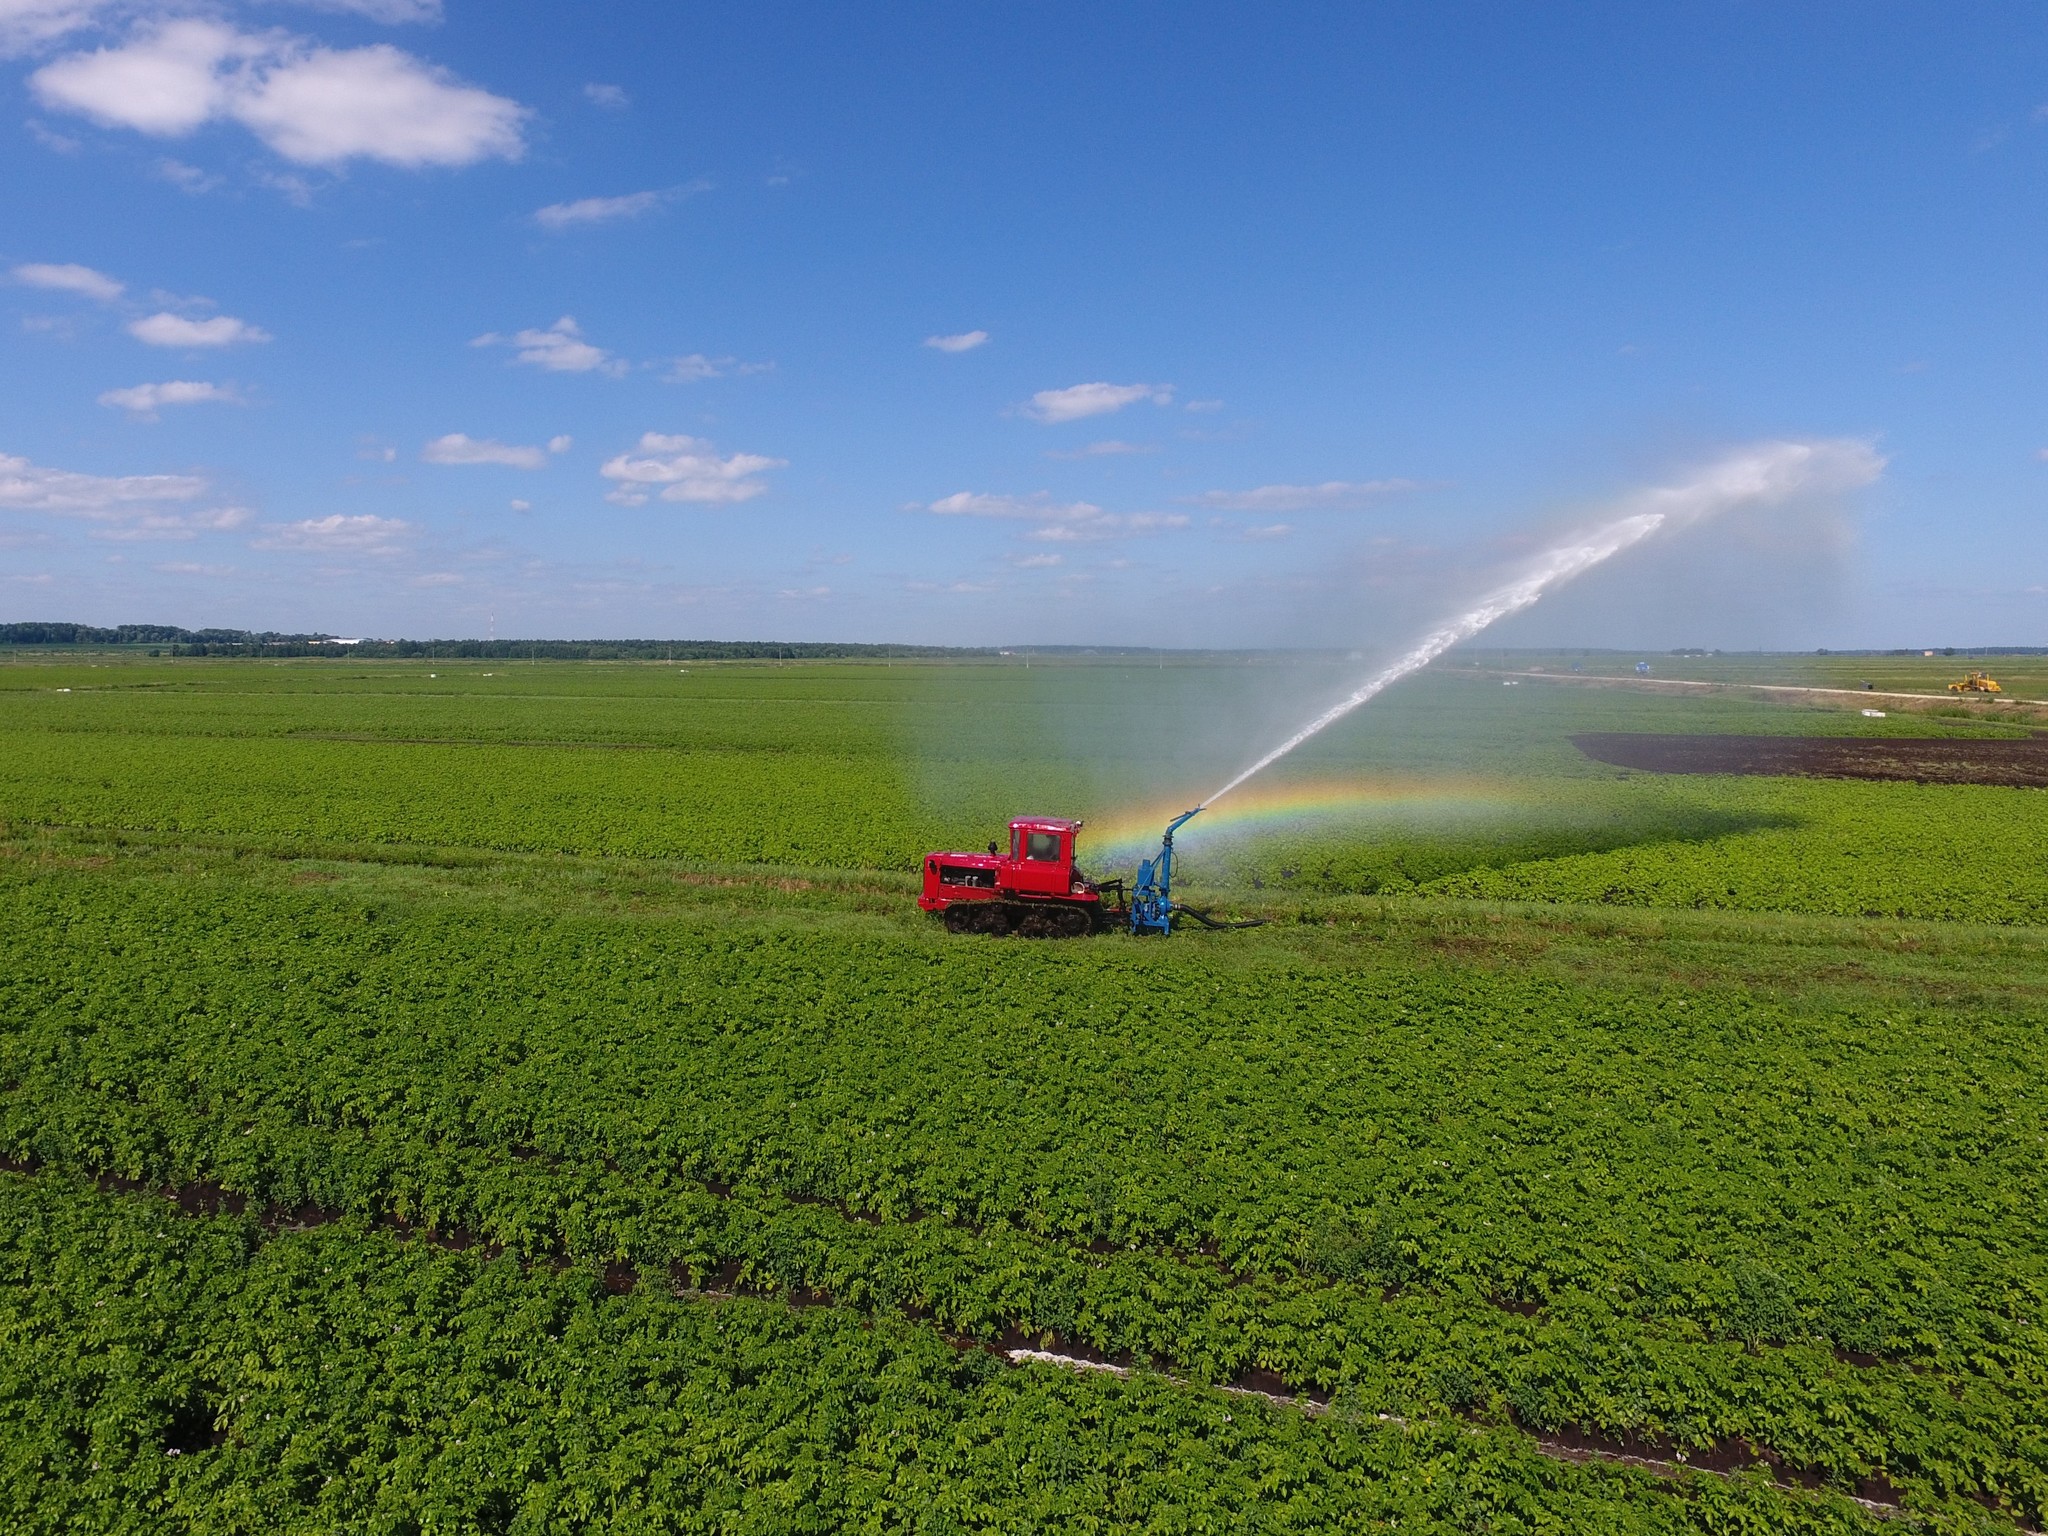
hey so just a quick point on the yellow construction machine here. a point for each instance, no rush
(1976, 682)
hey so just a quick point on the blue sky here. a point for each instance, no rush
(1183, 324)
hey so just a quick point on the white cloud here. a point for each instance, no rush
(392, 13)
(598, 210)
(1076, 401)
(559, 349)
(26, 23)
(697, 367)
(965, 341)
(611, 97)
(688, 370)
(561, 442)
(293, 187)
(1203, 405)
(168, 330)
(687, 469)
(460, 448)
(1111, 525)
(313, 105)
(164, 81)
(364, 534)
(186, 178)
(1037, 562)
(26, 487)
(125, 507)
(1040, 507)
(1108, 448)
(1061, 522)
(329, 105)
(173, 525)
(147, 399)
(69, 277)
(1330, 496)
(1269, 531)
(59, 143)
(521, 506)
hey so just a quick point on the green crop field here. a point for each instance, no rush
(495, 1097)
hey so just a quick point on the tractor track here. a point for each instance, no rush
(1020, 1350)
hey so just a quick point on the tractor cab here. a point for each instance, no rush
(1041, 861)
(1976, 682)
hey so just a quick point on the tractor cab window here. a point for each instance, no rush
(1043, 846)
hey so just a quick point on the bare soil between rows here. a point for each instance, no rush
(1920, 760)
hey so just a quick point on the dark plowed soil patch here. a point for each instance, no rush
(2020, 764)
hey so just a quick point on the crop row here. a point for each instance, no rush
(1704, 1196)
(166, 1370)
(805, 809)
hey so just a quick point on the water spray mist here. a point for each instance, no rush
(1764, 474)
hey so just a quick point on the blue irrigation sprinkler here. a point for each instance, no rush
(1152, 906)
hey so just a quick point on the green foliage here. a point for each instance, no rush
(1962, 853)
(366, 941)
(160, 1372)
(1675, 1189)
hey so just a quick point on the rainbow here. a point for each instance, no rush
(1298, 803)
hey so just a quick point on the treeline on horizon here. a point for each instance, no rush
(168, 639)
(171, 640)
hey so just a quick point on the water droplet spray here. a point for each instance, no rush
(1762, 474)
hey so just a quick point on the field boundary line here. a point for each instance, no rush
(1914, 703)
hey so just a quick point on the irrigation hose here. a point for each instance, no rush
(1212, 922)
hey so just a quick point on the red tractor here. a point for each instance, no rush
(1033, 891)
